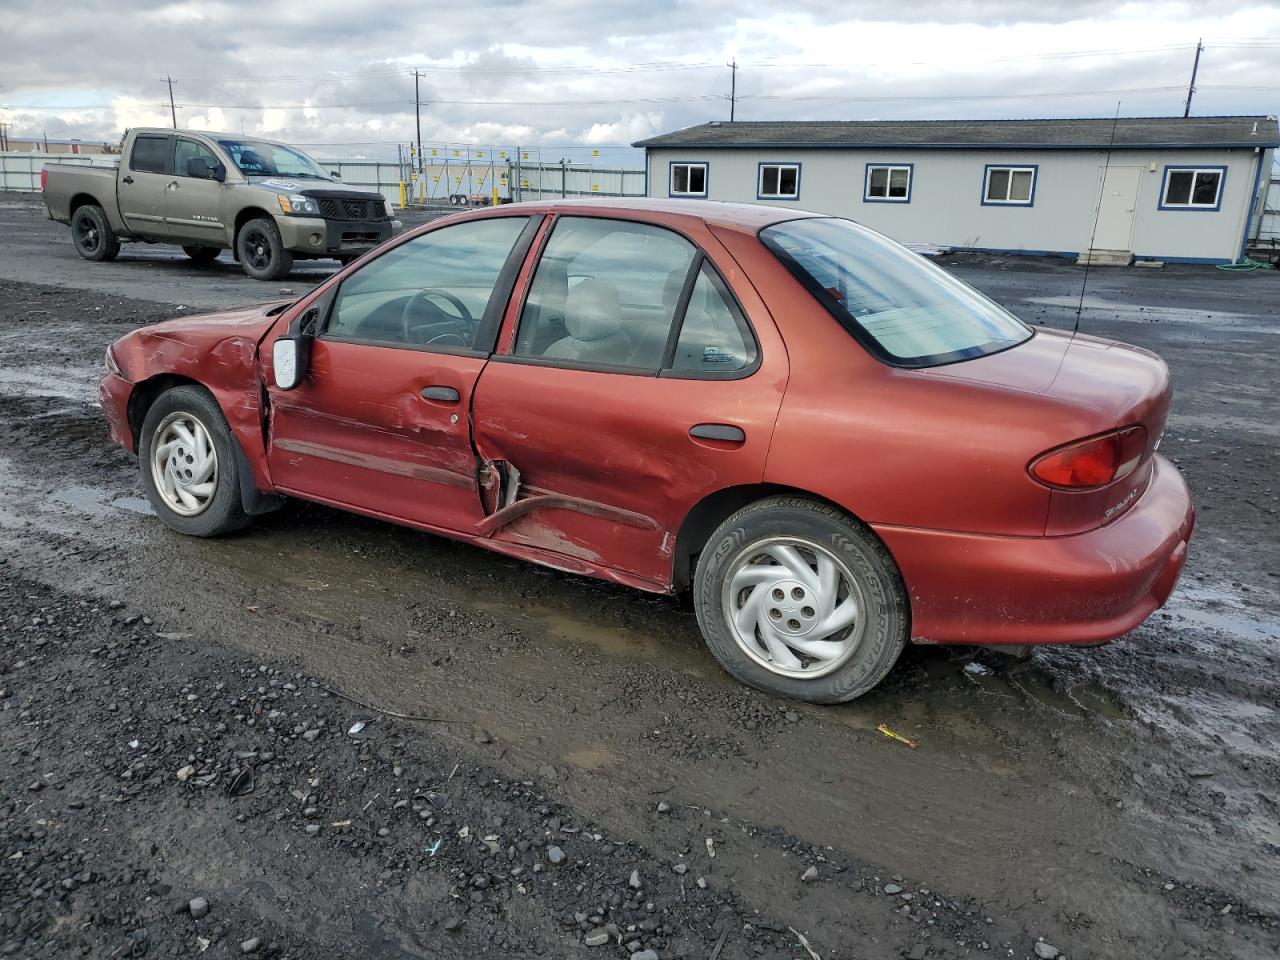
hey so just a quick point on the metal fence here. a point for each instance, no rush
(513, 178)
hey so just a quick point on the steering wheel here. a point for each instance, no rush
(464, 316)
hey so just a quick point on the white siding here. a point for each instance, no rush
(946, 193)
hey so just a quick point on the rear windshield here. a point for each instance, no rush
(906, 310)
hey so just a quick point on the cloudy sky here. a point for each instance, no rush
(569, 77)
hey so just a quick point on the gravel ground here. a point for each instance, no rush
(555, 767)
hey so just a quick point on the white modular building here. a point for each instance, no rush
(1170, 189)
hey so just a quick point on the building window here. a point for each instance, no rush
(778, 181)
(1192, 188)
(888, 183)
(1010, 186)
(688, 180)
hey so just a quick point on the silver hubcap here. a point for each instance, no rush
(794, 607)
(184, 464)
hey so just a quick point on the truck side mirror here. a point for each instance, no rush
(201, 169)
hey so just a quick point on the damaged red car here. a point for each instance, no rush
(836, 445)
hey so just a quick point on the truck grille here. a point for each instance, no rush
(345, 209)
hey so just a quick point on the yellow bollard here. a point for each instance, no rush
(495, 196)
(402, 204)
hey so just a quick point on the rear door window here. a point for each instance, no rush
(605, 294)
(150, 154)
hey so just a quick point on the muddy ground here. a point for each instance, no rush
(175, 714)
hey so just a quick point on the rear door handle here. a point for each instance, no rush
(127, 180)
(718, 431)
(447, 394)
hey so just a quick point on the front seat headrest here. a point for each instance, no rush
(592, 310)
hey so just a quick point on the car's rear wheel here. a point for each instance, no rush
(202, 254)
(796, 598)
(92, 235)
(261, 251)
(188, 462)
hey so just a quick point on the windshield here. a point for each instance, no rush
(258, 158)
(905, 309)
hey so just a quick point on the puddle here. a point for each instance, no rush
(93, 502)
(1243, 322)
(70, 383)
(1224, 611)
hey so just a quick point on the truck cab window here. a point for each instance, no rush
(149, 154)
(185, 150)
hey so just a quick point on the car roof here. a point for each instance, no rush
(748, 217)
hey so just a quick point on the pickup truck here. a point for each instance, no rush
(267, 202)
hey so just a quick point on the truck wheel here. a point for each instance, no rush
(92, 235)
(262, 252)
(188, 464)
(798, 599)
(202, 254)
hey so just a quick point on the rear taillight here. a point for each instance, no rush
(44, 178)
(1093, 462)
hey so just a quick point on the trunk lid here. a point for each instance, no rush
(1105, 385)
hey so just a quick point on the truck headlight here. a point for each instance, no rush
(297, 204)
(388, 209)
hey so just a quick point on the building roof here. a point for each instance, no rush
(1077, 134)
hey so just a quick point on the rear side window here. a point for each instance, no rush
(714, 337)
(149, 154)
(905, 310)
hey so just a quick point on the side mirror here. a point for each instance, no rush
(286, 368)
(291, 354)
(201, 169)
(335, 174)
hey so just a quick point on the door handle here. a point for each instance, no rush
(447, 394)
(718, 431)
(127, 180)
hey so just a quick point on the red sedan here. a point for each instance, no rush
(836, 445)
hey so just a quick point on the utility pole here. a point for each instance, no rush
(1191, 87)
(733, 87)
(173, 113)
(417, 116)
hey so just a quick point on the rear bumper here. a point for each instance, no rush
(1083, 589)
(325, 238)
(113, 393)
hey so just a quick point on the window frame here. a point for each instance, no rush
(677, 323)
(687, 195)
(866, 182)
(1032, 168)
(1194, 170)
(495, 309)
(780, 165)
(167, 155)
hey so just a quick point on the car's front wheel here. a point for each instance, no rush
(261, 251)
(796, 598)
(187, 457)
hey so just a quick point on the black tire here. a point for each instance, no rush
(224, 511)
(261, 252)
(202, 254)
(92, 235)
(886, 617)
